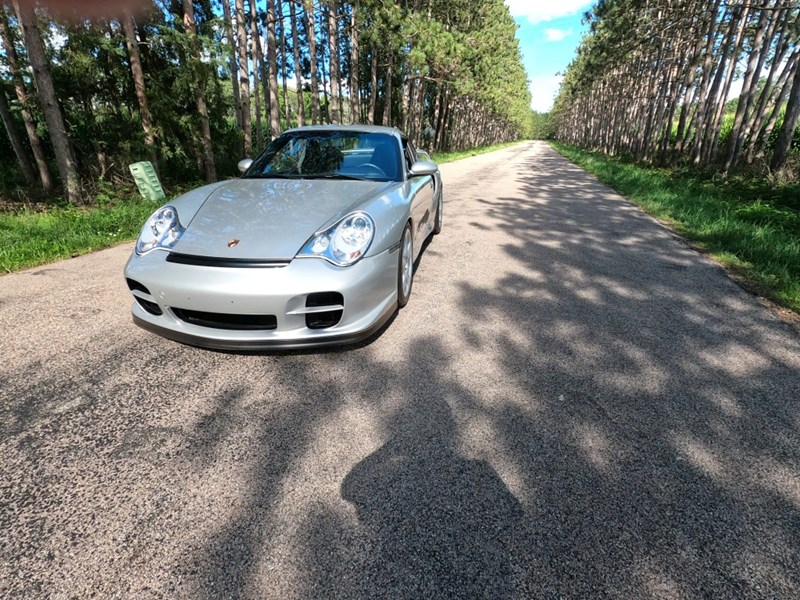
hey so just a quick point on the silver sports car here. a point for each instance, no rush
(314, 244)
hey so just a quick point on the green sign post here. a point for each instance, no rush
(147, 181)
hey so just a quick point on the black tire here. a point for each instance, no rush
(437, 223)
(405, 257)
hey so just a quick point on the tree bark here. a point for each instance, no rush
(355, 104)
(244, 79)
(311, 34)
(138, 84)
(387, 95)
(333, 55)
(274, 108)
(301, 105)
(209, 168)
(373, 94)
(281, 24)
(15, 140)
(258, 59)
(790, 119)
(234, 67)
(65, 158)
(765, 29)
(22, 96)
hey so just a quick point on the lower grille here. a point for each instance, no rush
(227, 321)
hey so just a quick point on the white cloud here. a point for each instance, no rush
(556, 35)
(543, 92)
(540, 11)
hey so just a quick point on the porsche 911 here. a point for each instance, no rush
(313, 245)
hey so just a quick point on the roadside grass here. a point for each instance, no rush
(748, 224)
(445, 157)
(29, 238)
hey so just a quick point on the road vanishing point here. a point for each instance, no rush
(574, 404)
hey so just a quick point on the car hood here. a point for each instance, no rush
(269, 219)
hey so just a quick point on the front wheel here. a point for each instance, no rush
(437, 224)
(405, 268)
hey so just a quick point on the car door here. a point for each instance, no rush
(422, 193)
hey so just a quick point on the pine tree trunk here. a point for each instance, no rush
(287, 113)
(765, 29)
(209, 168)
(770, 89)
(333, 55)
(387, 94)
(234, 67)
(244, 77)
(139, 86)
(373, 93)
(65, 159)
(274, 107)
(301, 105)
(355, 104)
(15, 140)
(311, 34)
(258, 61)
(785, 86)
(22, 96)
(763, 126)
(790, 119)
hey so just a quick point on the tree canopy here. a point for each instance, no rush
(194, 85)
(652, 79)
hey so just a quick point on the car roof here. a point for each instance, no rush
(359, 128)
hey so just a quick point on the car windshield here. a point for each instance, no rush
(318, 154)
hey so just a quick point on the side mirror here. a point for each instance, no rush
(423, 167)
(244, 164)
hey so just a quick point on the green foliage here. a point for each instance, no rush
(541, 126)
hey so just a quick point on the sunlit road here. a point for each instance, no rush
(574, 404)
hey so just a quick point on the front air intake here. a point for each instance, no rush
(322, 319)
(147, 305)
(227, 321)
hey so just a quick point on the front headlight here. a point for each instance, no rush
(161, 230)
(345, 243)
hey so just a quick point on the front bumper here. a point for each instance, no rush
(368, 288)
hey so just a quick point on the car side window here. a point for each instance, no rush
(409, 154)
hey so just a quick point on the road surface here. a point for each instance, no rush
(574, 404)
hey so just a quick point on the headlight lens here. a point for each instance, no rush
(345, 243)
(161, 230)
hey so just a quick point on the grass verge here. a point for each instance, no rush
(30, 238)
(748, 225)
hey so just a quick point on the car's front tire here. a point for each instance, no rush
(405, 267)
(437, 223)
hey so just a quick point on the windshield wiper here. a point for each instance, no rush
(336, 176)
(273, 176)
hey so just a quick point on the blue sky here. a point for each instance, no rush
(549, 32)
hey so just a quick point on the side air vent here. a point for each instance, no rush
(321, 318)
(137, 289)
(136, 286)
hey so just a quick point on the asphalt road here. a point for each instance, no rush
(574, 404)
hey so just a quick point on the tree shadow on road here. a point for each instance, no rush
(611, 418)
